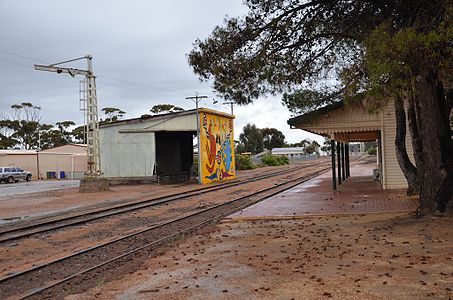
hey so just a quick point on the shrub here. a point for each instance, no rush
(194, 168)
(284, 160)
(272, 160)
(371, 151)
(243, 162)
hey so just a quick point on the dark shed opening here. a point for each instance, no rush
(174, 156)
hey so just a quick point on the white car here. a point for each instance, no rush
(14, 174)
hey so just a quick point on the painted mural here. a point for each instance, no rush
(217, 148)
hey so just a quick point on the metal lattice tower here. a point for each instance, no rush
(92, 127)
(88, 103)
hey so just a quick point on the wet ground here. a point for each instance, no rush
(359, 194)
(379, 256)
(23, 187)
(307, 243)
(54, 202)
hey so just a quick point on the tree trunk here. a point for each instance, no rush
(408, 168)
(417, 145)
(435, 166)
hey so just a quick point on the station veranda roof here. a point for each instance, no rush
(340, 122)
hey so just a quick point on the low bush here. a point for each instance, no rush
(371, 151)
(194, 168)
(243, 162)
(284, 160)
(272, 160)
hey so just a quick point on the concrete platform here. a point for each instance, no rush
(359, 194)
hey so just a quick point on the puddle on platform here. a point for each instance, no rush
(305, 186)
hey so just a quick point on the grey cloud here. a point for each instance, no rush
(139, 41)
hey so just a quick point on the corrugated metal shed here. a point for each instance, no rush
(128, 147)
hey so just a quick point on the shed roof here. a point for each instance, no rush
(17, 152)
(146, 118)
(68, 148)
(288, 150)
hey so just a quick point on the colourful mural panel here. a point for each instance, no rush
(217, 147)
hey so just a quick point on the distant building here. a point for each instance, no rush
(293, 153)
(69, 159)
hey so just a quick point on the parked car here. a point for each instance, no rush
(14, 174)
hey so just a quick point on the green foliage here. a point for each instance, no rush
(318, 52)
(20, 130)
(303, 143)
(113, 114)
(243, 162)
(24, 130)
(327, 146)
(272, 138)
(310, 147)
(284, 160)
(363, 51)
(304, 100)
(371, 151)
(165, 108)
(251, 140)
(370, 144)
(79, 134)
(273, 160)
(194, 168)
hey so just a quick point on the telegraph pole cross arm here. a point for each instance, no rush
(231, 103)
(91, 181)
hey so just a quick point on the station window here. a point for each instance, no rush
(7, 170)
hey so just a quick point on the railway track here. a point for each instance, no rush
(53, 278)
(18, 232)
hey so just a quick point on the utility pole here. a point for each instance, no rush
(91, 120)
(231, 105)
(197, 99)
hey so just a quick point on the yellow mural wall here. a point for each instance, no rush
(216, 146)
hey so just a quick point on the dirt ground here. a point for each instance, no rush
(373, 256)
(56, 202)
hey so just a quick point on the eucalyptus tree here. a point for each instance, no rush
(250, 140)
(272, 138)
(165, 108)
(21, 128)
(112, 114)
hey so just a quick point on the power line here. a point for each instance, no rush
(98, 75)
(138, 84)
(16, 63)
(22, 56)
(126, 88)
(154, 98)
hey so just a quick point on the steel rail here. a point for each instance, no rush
(58, 223)
(35, 291)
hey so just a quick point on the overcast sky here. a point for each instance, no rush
(139, 50)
